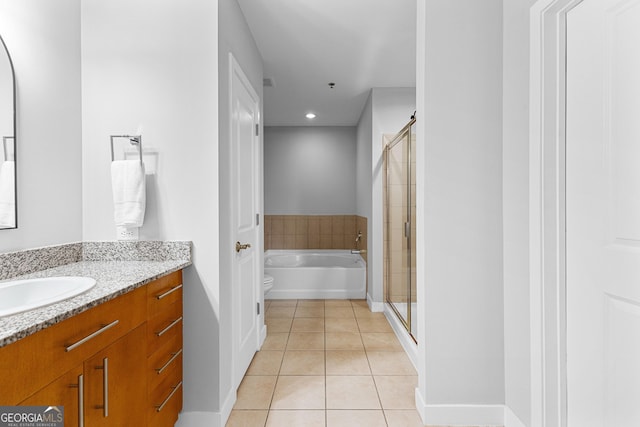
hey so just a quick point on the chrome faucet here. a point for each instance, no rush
(357, 250)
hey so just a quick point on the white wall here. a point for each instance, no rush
(516, 207)
(235, 37)
(310, 170)
(459, 153)
(153, 69)
(43, 38)
(364, 147)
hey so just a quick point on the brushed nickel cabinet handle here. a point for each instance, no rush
(173, 357)
(170, 291)
(93, 335)
(171, 325)
(80, 387)
(105, 386)
(162, 405)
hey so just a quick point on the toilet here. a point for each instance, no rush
(267, 284)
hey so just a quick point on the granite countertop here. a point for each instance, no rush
(113, 278)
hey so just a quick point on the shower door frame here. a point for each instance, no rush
(405, 132)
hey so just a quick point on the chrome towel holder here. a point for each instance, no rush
(135, 140)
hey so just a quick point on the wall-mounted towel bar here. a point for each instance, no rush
(5, 144)
(135, 140)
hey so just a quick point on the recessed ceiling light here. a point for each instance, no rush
(311, 116)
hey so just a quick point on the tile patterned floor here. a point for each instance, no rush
(327, 363)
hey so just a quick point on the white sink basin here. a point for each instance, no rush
(17, 296)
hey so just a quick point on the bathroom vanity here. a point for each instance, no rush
(110, 357)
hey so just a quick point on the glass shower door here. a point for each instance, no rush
(400, 227)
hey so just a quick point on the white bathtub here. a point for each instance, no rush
(313, 273)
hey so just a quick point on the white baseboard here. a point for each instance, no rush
(376, 307)
(460, 415)
(227, 406)
(199, 419)
(511, 419)
(263, 336)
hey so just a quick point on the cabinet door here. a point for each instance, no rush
(115, 385)
(65, 392)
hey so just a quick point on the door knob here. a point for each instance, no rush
(240, 246)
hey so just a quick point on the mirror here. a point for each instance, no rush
(8, 205)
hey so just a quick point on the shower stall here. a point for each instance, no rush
(400, 226)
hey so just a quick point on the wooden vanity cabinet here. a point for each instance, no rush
(164, 350)
(58, 366)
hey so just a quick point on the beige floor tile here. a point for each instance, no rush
(373, 325)
(337, 303)
(365, 313)
(247, 418)
(309, 312)
(255, 392)
(359, 303)
(340, 325)
(347, 362)
(299, 392)
(397, 392)
(339, 312)
(381, 341)
(311, 303)
(390, 363)
(280, 312)
(351, 392)
(306, 341)
(303, 362)
(354, 418)
(343, 341)
(282, 302)
(403, 418)
(307, 324)
(278, 324)
(275, 341)
(284, 418)
(266, 362)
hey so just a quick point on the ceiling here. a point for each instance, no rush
(306, 44)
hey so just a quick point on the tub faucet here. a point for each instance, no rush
(359, 237)
(357, 250)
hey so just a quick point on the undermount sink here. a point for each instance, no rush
(17, 296)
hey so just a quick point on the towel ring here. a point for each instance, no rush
(133, 140)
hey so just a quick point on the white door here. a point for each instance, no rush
(603, 214)
(245, 143)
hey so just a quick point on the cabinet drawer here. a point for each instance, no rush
(163, 361)
(164, 326)
(163, 292)
(33, 362)
(165, 401)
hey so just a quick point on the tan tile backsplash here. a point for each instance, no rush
(314, 232)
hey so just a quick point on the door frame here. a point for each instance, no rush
(547, 214)
(235, 69)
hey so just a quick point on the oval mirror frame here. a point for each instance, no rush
(8, 168)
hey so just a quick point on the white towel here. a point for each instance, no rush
(7, 194)
(129, 197)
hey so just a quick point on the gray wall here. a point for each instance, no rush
(43, 38)
(515, 155)
(460, 214)
(310, 170)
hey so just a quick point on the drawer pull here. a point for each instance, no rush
(162, 405)
(80, 387)
(169, 292)
(173, 357)
(93, 335)
(105, 387)
(171, 325)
